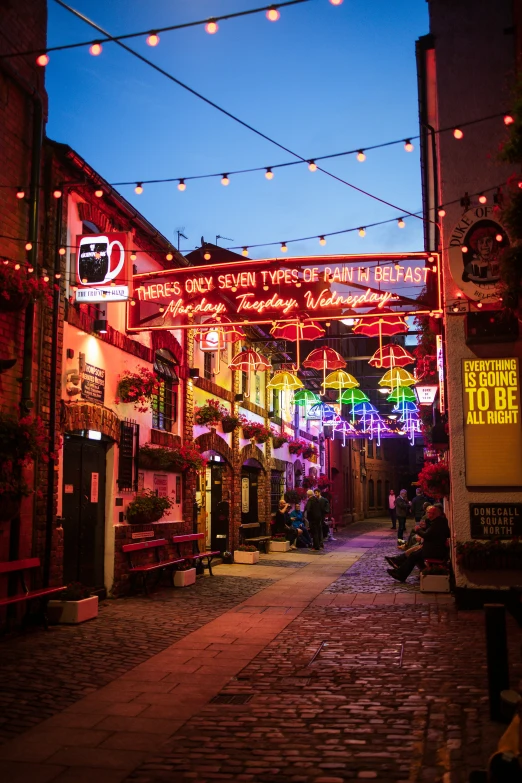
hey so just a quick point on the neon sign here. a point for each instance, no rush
(276, 289)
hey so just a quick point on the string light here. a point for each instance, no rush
(408, 146)
(479, 304)
(211, 27)
(283, 247)
(20, 193)
(138, 189)
(28, 246)
(464, 249)
(181, 185)
(336, 2)
(509, 119)
(62, 251)
(361, 157)
(269, 174)
(207, 256)
(169, 257)
(57, 193)
(98, 193)
(458, 133)
(322, 241)
(153, 39)
(401, 223)
(133, 256)
(46, 277)
(312, 166)
(17, 267)
(42, 59)
(6, 262)
(482, 199)
(244, 252)
(30, 269)
(362, 232)
(441, 212)
(95, 49)
(499, 237)
(273, 14)
(225, 180)
(57, 276)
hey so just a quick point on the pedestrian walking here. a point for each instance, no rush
(314, 517)
(402, 507)
(392, 509)
(417, 504)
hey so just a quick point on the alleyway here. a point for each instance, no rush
(310, 667)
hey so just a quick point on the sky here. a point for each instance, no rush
(323, 79)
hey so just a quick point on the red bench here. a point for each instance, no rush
(19, 568)
(194, 538)
(143, 569)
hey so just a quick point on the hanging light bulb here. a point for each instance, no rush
(57, 276)
(408, 146)
(20, 193)
(98, 193)
(28, 246)
(46, 276)
(273, 14)
(441, 212)
(336, 2)
(211, 26)
(225, 180)
(464, 249)
(509, 119)
(169, 256)
(362, 232)
(283, 247)
(312, 166)
(96, 49)
(138, 189)
(482, 199)
(181, 185)
(244, 252)
(499, 237)
(17, 267)
(153, 39)
(207, 256)
(42, 59)
(322, 241)
(30, 269)
(62, 251)
(133, 256)
(6, 262)
(57, 193)
(269, 174)
(361, 157)
(133, 303)
(401, 223)
(458, 133)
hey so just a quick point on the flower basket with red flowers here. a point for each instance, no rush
(310, 451)
(230, 423)
(434, 480)
(296, 495)
(279, 438)
(18, 287)
(22, 440)
(209, 414)
(324, 483)
(490, 555)
(254, 430)
(137, 388)
(309, 482)
(296, 447)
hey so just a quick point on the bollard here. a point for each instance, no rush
(497, 657)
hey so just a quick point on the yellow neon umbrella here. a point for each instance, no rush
(340, 379)
(285, 380)
(397, 376)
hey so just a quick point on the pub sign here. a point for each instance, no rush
(495, 520)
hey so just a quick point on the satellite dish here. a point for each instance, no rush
(202, 241)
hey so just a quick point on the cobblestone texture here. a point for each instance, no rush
(368, 574)
(42, 673)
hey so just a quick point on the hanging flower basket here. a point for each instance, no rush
(279, 439)
(253, 430)
(171, 460)
(296, 495)
(490, 555)
(18, 287)
(209, 414)
(310, 452)
(137, 388)
(147, 507)
(434, 480)
(296, 447)
(22, 440)
(230, 423)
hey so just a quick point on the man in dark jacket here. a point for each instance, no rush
(417, 504)
(325, 508)
(314, 515)
(402, 507)
(434, 546)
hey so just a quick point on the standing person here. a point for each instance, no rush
(325, 509)
(417, 504)
(314, 517)
(402, 506)
(392, 509)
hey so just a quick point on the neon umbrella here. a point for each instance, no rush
(352, 397)
(364, 410)
(345, 428)
(249, 361)
(285, 380)
(322, 412)
(391, 356)
(297, 331)
(216, 338)
(405, 407)
(340, 379)
(397, 376)
(383, 321)
(402, 393)
(304, 397)
(324, 359)
(378, 427)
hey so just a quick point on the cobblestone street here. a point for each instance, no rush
(314, 668)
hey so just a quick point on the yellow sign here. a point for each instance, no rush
(492, 425)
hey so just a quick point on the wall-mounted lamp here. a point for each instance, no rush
(239, 397)
(100, 325)
(193, 372)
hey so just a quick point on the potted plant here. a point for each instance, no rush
(278, 543)
(209, 414)
(490, 555)
(178, 459)
(229, 422)
(296, 447)
(185, 574)
(76, 605)
(228, 558)
(309, 482)
(247, 554)
(279, 439)
(435, 579)
(137, 388)
(254, 430)
(147, 507)
(18, 287)
(310, 452)
(434, 480)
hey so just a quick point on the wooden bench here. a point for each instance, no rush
(194, 538)
(248, 528)
(19, 568)
(142, 570)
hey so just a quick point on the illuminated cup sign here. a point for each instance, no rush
(276, 289)
(475, 246)
(101, 269)
(426, 394)
(492, 431)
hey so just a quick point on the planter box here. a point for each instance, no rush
(248, 558)
(434, 583)
(279, 546)
(185, 578)
(74, 612)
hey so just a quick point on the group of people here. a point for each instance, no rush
(304, 529)
(428, 539)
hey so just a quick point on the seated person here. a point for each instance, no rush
(297, 519)
(422, 525)
(433, 546)
(282, 525)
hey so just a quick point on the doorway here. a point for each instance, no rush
(83, 509)
(249, 494)
(218, 510)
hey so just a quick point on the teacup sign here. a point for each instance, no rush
(101, 268)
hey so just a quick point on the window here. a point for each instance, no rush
(257, 381)
(386, 489)
(277, 489)
(207, 365)
(371, 494)
(244, 382)
(378, 451)
(165, 401)
(379, 494)
(275, 402)
(370, 448)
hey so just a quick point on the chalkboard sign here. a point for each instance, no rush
(495, 520)
(128, 462)
(93, 384)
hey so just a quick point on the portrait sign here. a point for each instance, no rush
(495, 520)
(475, 246)
(101, 268)
(318, 287)
(492, 431)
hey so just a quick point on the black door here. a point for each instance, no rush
(249, 495)
(84, 511)
(219, 511)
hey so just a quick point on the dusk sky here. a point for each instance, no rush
(321, 80)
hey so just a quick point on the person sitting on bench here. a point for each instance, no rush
(433, 546)
(283, 525)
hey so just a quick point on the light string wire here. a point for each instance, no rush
(155, 30)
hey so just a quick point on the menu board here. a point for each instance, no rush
(93, 384)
